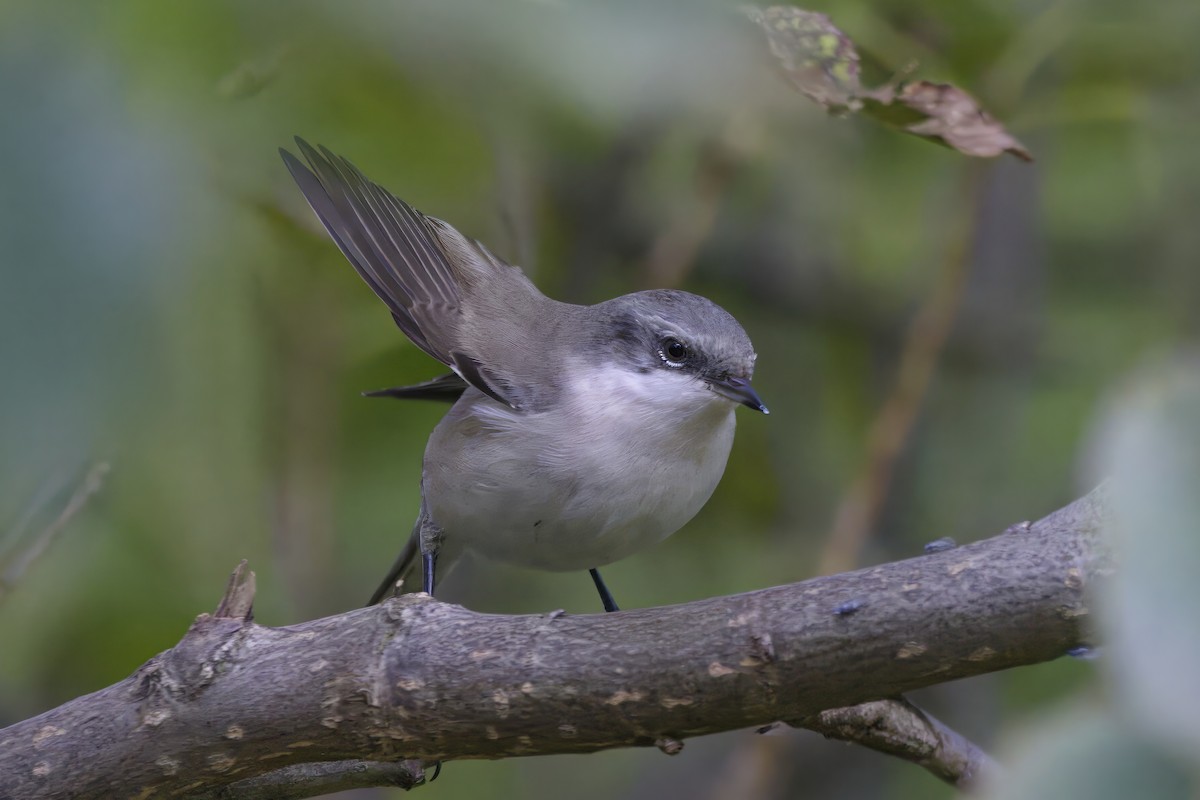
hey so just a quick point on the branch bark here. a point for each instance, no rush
(236, 704)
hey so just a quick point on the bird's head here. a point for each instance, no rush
(683, 340)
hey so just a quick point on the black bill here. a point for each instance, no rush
(738, 390)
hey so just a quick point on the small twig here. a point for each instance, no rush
(674, 251)
(515, 198)
(892, 727)
(238, 600)
(321, 778)
(860, 506)
(754, 769)
(899, 728)
(21, 562)
(44, 496)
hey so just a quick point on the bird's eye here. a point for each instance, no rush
(674, 352)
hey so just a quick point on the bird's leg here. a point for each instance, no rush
(431, 536)
(428, 567)
(605, 595)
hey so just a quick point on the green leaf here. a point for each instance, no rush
(816, 58)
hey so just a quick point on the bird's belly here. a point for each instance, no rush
(601, 508)
(553, 526)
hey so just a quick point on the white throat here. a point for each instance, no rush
(659, 408)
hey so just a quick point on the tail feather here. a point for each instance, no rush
(402, 570)
(447, 388)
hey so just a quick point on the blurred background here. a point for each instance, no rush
(948, 345)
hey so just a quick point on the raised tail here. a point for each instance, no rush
(402, 570)
(447, 388)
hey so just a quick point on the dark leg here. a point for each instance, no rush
(429, 564)
(428, 567)
(605, 595)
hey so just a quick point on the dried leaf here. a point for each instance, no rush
(822, 63)
(950, 116)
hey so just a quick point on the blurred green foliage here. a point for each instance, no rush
(168, 305)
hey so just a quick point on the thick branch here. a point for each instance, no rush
(418, 679)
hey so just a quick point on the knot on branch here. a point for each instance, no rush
(238, 600)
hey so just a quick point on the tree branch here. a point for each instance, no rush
(417, 679)
(899, 728)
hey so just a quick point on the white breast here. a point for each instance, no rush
(625, 461)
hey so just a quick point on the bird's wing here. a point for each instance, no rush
(448, 388)
(440, 287)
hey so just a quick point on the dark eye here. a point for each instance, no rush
(674, 352)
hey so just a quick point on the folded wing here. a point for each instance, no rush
(440, 287)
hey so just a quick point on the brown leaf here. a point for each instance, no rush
(950, 116)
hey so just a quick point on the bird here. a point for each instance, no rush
(578, 434)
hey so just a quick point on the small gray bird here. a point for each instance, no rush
(578, 434)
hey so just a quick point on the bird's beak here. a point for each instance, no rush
(738, 390)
